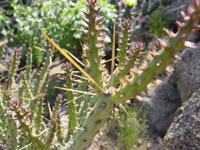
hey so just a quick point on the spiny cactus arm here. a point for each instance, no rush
(39, 112)
(57, 106)
(93, 44)
(59, 133)
(22, 115)
(124, 44)
(29, 64)
(42, 73)
(73, 122)
(96, 118)
(45, 83)
(26, 86)
(52, 131)
(11, 143)
(14, 64)
(21, 94)
(56, 119)
(138, 83)
(120, 73)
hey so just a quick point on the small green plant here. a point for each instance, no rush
(62, 19)
(132, 129)
(158, 23)
(91, 102)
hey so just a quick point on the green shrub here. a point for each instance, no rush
(132, 132)
(62, 19)
(158, 23)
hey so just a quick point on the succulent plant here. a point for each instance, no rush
(91, 103)
(131, 76)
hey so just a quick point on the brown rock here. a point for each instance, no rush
(184, 132)
(188, 72)
(160, 105)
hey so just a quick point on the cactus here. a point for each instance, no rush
(11, 135)
(73, 123)
(89, 110)
(27, 129)
(129, 80)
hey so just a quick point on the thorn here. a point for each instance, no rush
(112, 90)
(102, 54)
(169, 69)
(157, 82)
(137, 97)
(169, 33)
(86, 21)
(121, 96)
(144, 66)
(92, 34)
(185, 18)
(188, 44)
(164, 43)
(84, 56)
(103, 70)
(196, 3)
(100, 39)
(94, 16)
(128, 102)
(88, 67)
(179, 24)
(121, 81)
(153, 53)
(99, 18)
(102, 34)
(127, 58)
(176, 56)
(191, 11)
(98, 29)
(98, 46)
(159, 63)
(85, 32)
(149, 57)
(98, 9)
(135, 70)
(127, 78)
(101, 81)
(86, 13)
(95, 61)
(184, 36)
(120, 36)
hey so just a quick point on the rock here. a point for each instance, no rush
(184, 132)
(172, 12)
(160, 106)
(188, 72)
